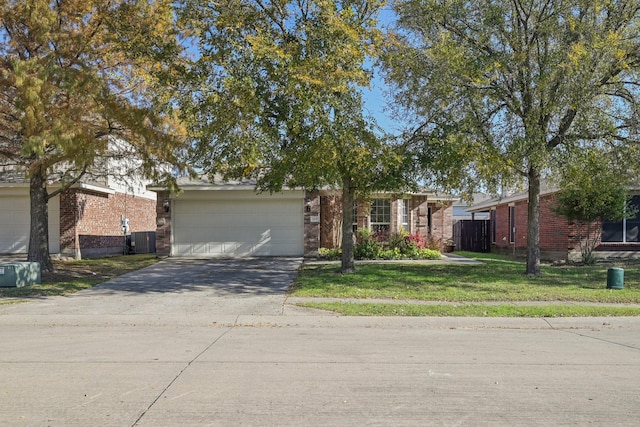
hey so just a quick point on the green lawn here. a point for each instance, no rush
(72, 276)
(477, 288)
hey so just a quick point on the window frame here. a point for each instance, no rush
(624, 224)
(354, 218)
(404, 215)
(375, 217)
(512, 224)
(494, 220)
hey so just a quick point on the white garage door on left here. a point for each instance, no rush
(15, 222)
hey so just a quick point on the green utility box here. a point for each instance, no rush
(615, 278)
(18, 274)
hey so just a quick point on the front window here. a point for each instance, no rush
(380, 214)
(512, 224)
(404, 206)
(626, 230)
(354, 218)
(493, 225)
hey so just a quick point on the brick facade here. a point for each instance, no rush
(163, 224)
(312, 217)
(426, 218)
(558, 237)
(90, 221)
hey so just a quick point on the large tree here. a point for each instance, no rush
(75, 75)
(276, 93)
(501, 89)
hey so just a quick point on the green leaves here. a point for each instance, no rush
(592, 189)
(519, 79)
(77, 71)
(275, 91)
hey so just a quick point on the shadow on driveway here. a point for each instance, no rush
(246, 276)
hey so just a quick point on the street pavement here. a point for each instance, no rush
(217, 343)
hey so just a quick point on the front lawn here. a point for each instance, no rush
(498, 279)
(72, 276)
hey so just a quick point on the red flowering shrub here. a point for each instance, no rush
(415, 240)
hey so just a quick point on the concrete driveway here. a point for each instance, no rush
(180, 286)
(208, 343)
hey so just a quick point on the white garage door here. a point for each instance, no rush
(15, 222)
(238, 223)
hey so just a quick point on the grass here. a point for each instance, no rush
(73, 276)
(473, 310)
(473, 289)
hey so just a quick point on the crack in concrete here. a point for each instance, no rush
(180, 374)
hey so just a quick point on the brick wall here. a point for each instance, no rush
(419, 215)
(311, 222)
(442, 220)
(90, 222)
(330, 215)
(557, 235)
(69, 241)
(554, 229)
(163, 224)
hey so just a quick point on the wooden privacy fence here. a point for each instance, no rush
(472, 235)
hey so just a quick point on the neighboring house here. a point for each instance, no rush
(559, 238)
(461, 212)
(230, 219)
(84, 220)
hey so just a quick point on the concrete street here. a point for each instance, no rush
(216, 343)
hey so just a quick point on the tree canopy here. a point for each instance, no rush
(501, 90)
(592, 189)
(72, 74)
(275, 93)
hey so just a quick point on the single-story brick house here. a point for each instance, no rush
(559, 238)
(230, 219)
(84, 220)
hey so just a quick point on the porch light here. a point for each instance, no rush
(166, 205)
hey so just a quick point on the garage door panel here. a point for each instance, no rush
(248, 221)
(15, 222)
(259, 226)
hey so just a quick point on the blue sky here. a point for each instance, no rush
(376, 105)
(376, 97)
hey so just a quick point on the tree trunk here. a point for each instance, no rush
(39, 231)
(348, 263)
(533, 230)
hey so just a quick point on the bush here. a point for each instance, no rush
(382, 245)
(400, 245)
(368, 245)
(391, 254)
(330, 254)
(434, 244)
(428, 254)
(416, 240)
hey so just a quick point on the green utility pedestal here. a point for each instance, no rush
(18, 274)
